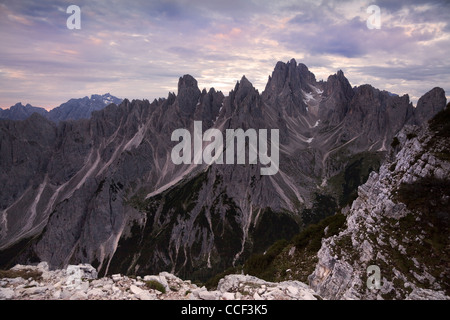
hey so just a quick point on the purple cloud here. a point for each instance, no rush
(139, 48)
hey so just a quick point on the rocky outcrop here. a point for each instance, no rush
(399, 222)
(338, 93)
(188, 95)
(80, 282)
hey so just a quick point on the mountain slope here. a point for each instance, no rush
(105, 191)
(399, 222)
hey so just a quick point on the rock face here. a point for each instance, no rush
(427, 104)
(105, 191)
(80, 282)
(399, 222)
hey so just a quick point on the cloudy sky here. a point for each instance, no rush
(139, 48)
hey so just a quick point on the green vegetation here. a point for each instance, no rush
(440, 123)
(428, 195)
(324, 206)
(155, 285)
(345, 184)
(162, 212)
(23, 273)
(428, 228)
(272, 226)
(261, 265)
(392, 166)
(272, 265)
(212, 282)
(395, 142)
(411, 135)
(8, 256)
(311, 237)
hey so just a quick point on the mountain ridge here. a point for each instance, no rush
(105, 191)
(73, 109)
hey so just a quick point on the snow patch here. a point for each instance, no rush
(308, 96)
(318, 91)
(107, 100)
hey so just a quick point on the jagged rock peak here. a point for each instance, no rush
(187, 81)
(242, 89)
(18, 105)
(244, 82)
(429, 104)
(339, 75)
(188, 94)
(338, 80)
(289, 76)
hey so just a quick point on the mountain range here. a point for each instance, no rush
(73, 109)
(104, 190)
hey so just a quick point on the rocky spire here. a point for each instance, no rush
(188, 94)
(289, 76)
(429, 104)
(339, 93)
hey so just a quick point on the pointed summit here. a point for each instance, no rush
(187, 81)
(290, 87)
(188, 94)
(289, 76)
(429, 104)
(244, 83)
(339, 93)
(242, 89)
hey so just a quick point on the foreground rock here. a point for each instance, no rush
(399, 223)
(80, 282)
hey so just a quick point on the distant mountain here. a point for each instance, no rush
(82, 108)
(21, 112)
(105, 191)
(73, 109)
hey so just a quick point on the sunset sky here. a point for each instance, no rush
(139, 49)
